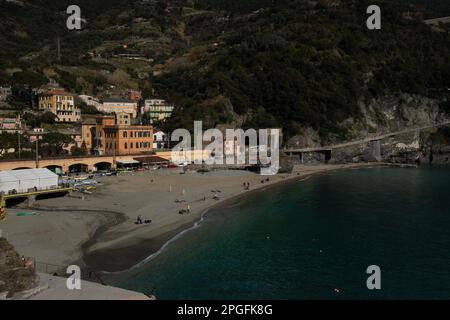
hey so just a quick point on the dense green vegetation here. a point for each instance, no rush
(431, 8)
(256, 63)
(294, 65)
(51, 145)
(36, 121)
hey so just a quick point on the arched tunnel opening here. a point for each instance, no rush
(55, 169)
(78, 168)
(102, 166)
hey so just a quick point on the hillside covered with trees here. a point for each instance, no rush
(286, 63)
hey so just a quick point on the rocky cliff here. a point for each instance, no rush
(388, 114)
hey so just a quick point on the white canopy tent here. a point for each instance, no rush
(8, 182)
(47, 179)
(25, 180)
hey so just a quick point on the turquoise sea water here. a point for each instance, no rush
(304, 239)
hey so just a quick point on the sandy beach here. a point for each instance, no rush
(98, 231)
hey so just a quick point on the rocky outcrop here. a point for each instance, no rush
(308, 138)
(381, 116)
(396, 112)
(14, 277)
(427, 147)
(435, 147)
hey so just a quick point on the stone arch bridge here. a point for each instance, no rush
(89, 163)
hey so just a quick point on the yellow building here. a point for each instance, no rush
(60, 103)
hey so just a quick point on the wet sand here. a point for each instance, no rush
(98, 232)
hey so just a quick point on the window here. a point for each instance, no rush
(124, 134)
(131, 145)
(125, 145)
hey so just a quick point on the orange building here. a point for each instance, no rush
(107, 137)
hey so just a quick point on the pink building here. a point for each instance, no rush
(10, 125)
(36, 134)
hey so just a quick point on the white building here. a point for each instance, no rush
(160, 140)
(90, 101)
(4, 93)
(117, 105)
(159, 109)
(27, 180)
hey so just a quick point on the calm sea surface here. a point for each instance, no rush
(306, 239)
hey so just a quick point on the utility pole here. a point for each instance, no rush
(18, 133)
(37, 153)
(18, 138)
(59, 49)
(116, 134)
